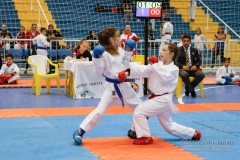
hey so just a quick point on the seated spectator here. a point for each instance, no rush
(180, 43)
(199, 41)
(99, 8)
(21, 35)
(92, 36)
(189, 62)
(53, 34)
(9, 73)
(218, 48)
(226, 75)
(82, 51)
(30, 35)
(127, 13)
(5, 34)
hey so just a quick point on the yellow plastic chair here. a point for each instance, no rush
(39, 64)
(138, 58)
(178, 89)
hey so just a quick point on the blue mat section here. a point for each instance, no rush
(214, 94)
(24, 99)
(51, 137)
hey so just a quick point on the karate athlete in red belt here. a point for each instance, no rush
(163, 77)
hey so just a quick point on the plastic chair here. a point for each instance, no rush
(178, 89)
(52, 54)
(18, 55)
(39, 64)
(63, 53)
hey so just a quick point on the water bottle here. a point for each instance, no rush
(74, 56)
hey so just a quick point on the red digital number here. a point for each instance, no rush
(155, 12)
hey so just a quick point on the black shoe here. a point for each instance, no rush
(186, 93)
(132, 134)
(194, 94)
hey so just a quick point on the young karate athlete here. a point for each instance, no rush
(163, 77)
(112, 62)
(9, 73)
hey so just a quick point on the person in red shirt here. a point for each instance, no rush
(20, 44)
(30, 35)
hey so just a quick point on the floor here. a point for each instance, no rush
(41, 127)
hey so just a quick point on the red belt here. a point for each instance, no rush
(154, 95)
(168, 33)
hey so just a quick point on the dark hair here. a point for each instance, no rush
(42, 29)
(187, 36)
(50, 25)
(34, 24)
(104, 39)
(90, 32)
(22, 27)
(226, 59)
(166, 19)
(9, 55)
(220, 27)
(173, 48)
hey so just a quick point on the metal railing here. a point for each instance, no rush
(210, 60)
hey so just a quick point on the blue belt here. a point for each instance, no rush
(115, 82)
(41, 48)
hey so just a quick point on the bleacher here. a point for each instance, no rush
(75, 21)
(224, 10)
(9, 16)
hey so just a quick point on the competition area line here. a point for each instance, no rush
(180, 99)
(41, 112)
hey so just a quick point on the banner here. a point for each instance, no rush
(88, 85)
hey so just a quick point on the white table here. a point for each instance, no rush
(86, 84)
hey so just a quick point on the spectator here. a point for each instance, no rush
(21, 35)
(53, 34)
(82, 51)
(99, 8)
(127, 13)
(30, 35)
(92, 36)
(189, 62)
(41, 42)
(6, 34)
(180, 43)
(128, 34)
(192, 9)
(218, 48)
(150, 33)
(226, 74)
(166, 32)
(9, 72)
(199, 41)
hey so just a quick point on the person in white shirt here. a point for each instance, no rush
(163, 78)
(226, 74)
(166, 33)
(9, 72)
(42, 43)
(192, 9)
(199, 41)
(180, 43)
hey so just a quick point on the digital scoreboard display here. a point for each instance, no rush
(145, 9)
